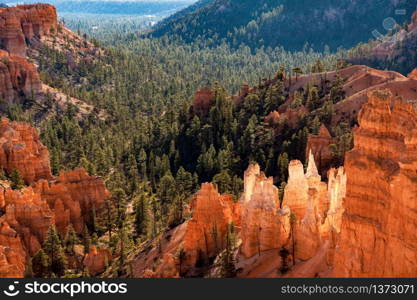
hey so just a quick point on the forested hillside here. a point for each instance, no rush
(144, 122)
(288, 23)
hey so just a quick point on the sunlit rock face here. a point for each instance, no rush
(413, 75)
(21, 24)
(311, 211)
(74, 196)
(316, 207)
(199, 239)
(206, 232)
(17, 76)
(21, 149)
(12, 253)
(264, 225)
(379, 229)
(27, 214)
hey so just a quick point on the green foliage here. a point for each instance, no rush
(288, 23)
(53, 248)
(40, 264)
(16, 179)
(228, 269)
(71, 239)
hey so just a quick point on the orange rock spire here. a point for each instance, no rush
(378, 234)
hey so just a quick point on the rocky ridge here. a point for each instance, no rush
(27, 214)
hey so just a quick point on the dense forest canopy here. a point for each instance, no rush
(287, 23)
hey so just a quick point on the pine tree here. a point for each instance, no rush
(53, 248)
(282, 165)
(40, 264)
(140, 214)
(71, 239)
(228, 269)
(16, 179)
(86, 240)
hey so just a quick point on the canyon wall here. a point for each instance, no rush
(17, 76)
(379, 230)
(27, 214)
(21, 149)
(20, 25)
(97, 260)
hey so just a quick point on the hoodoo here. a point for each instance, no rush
(378, 233)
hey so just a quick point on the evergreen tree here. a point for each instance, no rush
(40, 264)
(16, 179)
(71, 239)
(86, 240)
(53, 248)
(228, 269)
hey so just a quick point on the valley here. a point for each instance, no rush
(178, 153)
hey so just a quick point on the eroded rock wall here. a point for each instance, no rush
(27, 214)
(21, 24)
(379, 229)
(21, 149)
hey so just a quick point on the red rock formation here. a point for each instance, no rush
(17, 76)
(73, 196)
(413, 75)
(206, 231)
(319, 145)
(202, 102)
(358, 81)
(29, 215)
(200, 239)
(379, 228)
(97, 260)
(316, 207)
(167, 269)
(273, 118)
(21, 149)
(12, 253)
(264, 225)
(23, 23)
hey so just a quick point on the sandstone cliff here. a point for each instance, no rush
(27, 214)
(23, 30)
(22, 24)
(21, 149)
(378, 233)
(12, 253)
(206, 231)
(17, 76)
